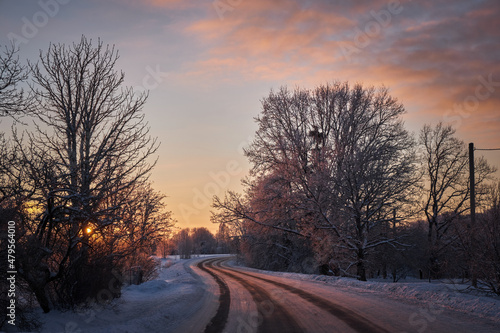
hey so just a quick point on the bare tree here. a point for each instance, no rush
(13, 103)
(269, 211)
(12, 100)
(94, 148)
(487, 255)
(344, 158)
(13, 190)
(203, 241)
(447, 191)
(11, 175)
(184, 243)
(165, 247)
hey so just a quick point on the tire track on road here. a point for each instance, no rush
(218, 322)
(272, 317)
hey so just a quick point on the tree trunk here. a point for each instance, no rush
(42, 298)
(361, 269)
(37, 281)
(434, 266)
(433, 243)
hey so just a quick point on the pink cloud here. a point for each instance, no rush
(430, 54)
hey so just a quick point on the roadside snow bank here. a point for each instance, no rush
(155, 306)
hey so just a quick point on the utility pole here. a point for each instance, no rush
(472, 185)
(472, 230)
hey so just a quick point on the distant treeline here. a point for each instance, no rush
(187, 242)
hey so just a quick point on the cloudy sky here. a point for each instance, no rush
(208, 64)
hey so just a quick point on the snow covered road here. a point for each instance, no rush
(283, 307)
(212, 294)
(290, 305)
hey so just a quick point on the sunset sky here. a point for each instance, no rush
(208, 64)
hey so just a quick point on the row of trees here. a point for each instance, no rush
(336, 177)
(74, 177)
(187, 242)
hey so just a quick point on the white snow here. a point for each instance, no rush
(182, 298)
(160, 305)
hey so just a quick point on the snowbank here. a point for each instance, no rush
(159, 305)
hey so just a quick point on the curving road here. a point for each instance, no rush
(273, 315)
(249, 301)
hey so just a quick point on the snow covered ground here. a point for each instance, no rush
(161, 305)
(183, 299)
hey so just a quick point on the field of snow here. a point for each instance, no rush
(181, 300)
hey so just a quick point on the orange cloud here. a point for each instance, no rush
(431, 54)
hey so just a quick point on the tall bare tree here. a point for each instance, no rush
(447, 190)
(343, 156)
(14, 104)
(89, 154)
(12, 73)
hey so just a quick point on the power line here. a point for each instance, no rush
(487, 149)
